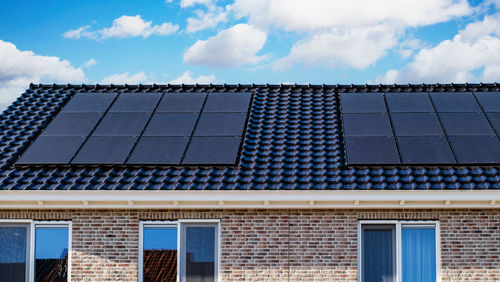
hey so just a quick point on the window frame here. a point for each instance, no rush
(180, 225)
(399, 224)
(30, 240)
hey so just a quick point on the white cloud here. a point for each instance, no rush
(122, 27)
(189, 3)
(232, 47)
(472, 55)
(19, 68)
(353, 33)
(408, 47)
(208, 19)
(125, 78)
(188, 78)
(90, 63)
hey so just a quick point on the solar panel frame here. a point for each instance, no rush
(159, 150)
(371, 150)
(416, 124)
(455, 102)
(72, 124)
(362, 103)
(51, 150)
(367, 124)
(89, 103)
(425, 150)
(409, 103)
(220, 124)
(212, 151)
(122, 124)
(233, 102)
(135, 103)
(105, 150)
(475, 149)
(465, 124)
(181, 103)
(170, 124)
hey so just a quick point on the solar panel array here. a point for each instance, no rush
(421, 128)
(144, 128)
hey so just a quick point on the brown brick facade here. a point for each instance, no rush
(276, 244)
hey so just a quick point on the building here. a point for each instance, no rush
(251, 182)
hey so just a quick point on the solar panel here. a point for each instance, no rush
(220, 124)
(121, 124)
(362, 103)
(494, 119)
(227, 102)
(171, 125)
(489, 101)
(461, 102)
(371, 150)
(465, 124)
(159, 150)
(366, 125)
(89, 102)
(409, 102)
(51, 150)
(425, 150)
(105, 150)
(72, 124)
(135, 102)
(212, 150)
(181, 103)
(475, 149)
(416, 124)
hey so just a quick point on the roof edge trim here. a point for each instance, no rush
(248, 199)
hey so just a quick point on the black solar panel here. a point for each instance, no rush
(159, 150)
(462, 102)
(362, 103)
(409, 102)
(220, 124)
(89, 102)
(366, 125)
(212, 150)
(425, 150)
(181, 103)
(72, 124)
(171, 125)
(475, 149)
(227, 102)
(136, 102)
(115, 124)
(416, 124)
(371, 150)
(465, 124)
(494, 119)
(105, 150)
(51, 150)
(489, 101)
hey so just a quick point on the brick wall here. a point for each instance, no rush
(277, 244)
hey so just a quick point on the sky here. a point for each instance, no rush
(247, 41)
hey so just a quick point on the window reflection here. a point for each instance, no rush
(200, 254)
(13, 253)
(160, 254)
(51, 254)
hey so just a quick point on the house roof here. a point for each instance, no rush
(293, 141)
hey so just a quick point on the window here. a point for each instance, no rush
(398, 251)
(34, 251)
(186, 250)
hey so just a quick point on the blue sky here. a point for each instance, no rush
(247, 41)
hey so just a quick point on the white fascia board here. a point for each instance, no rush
(248, 199)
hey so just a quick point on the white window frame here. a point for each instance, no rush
(30, 242)
(179, 225)
(399, 224)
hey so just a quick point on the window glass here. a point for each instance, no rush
(160, 254)
(51, 253)
(200, 253)
(418, 246)
(13, 253)
(379, 263)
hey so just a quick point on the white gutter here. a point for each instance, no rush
(247, 199)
